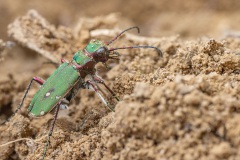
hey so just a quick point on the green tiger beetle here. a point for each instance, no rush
(57, 91)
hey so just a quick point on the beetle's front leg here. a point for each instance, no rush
(94, 87)
(97, 79)
(36, 79)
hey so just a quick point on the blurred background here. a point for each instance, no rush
(188, 18)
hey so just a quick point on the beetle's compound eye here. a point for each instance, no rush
(101, 55)
(101, 51)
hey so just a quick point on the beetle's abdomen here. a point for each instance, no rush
(53, 90)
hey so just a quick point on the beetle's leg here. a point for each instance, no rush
(53, 63)
(50, 131)
(36, 79)
(63, 60)
(94, 87)
(56, 64)
(101, 81)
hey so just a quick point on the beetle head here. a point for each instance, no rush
(101, 53)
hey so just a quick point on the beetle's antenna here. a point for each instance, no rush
(107, 43)
(130, 47)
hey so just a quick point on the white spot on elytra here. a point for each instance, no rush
(42, 113)
(47, 94)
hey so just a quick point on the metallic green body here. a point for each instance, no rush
(53, 90)
(62, 81)
(94, 45)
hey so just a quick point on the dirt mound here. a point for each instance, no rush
(184, 105)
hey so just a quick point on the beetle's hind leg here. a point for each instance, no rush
(36, 79)
(95, 88)
(51, 131)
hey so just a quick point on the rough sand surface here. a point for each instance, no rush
(185, 105)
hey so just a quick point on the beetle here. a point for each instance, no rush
(60, 88)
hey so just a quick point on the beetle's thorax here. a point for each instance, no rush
(87, 63)
(83, 56)
(85, 59)
(96, 51)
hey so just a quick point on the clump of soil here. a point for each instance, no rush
(184, 105)
(3, 47)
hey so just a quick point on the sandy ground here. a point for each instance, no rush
(184, 105)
